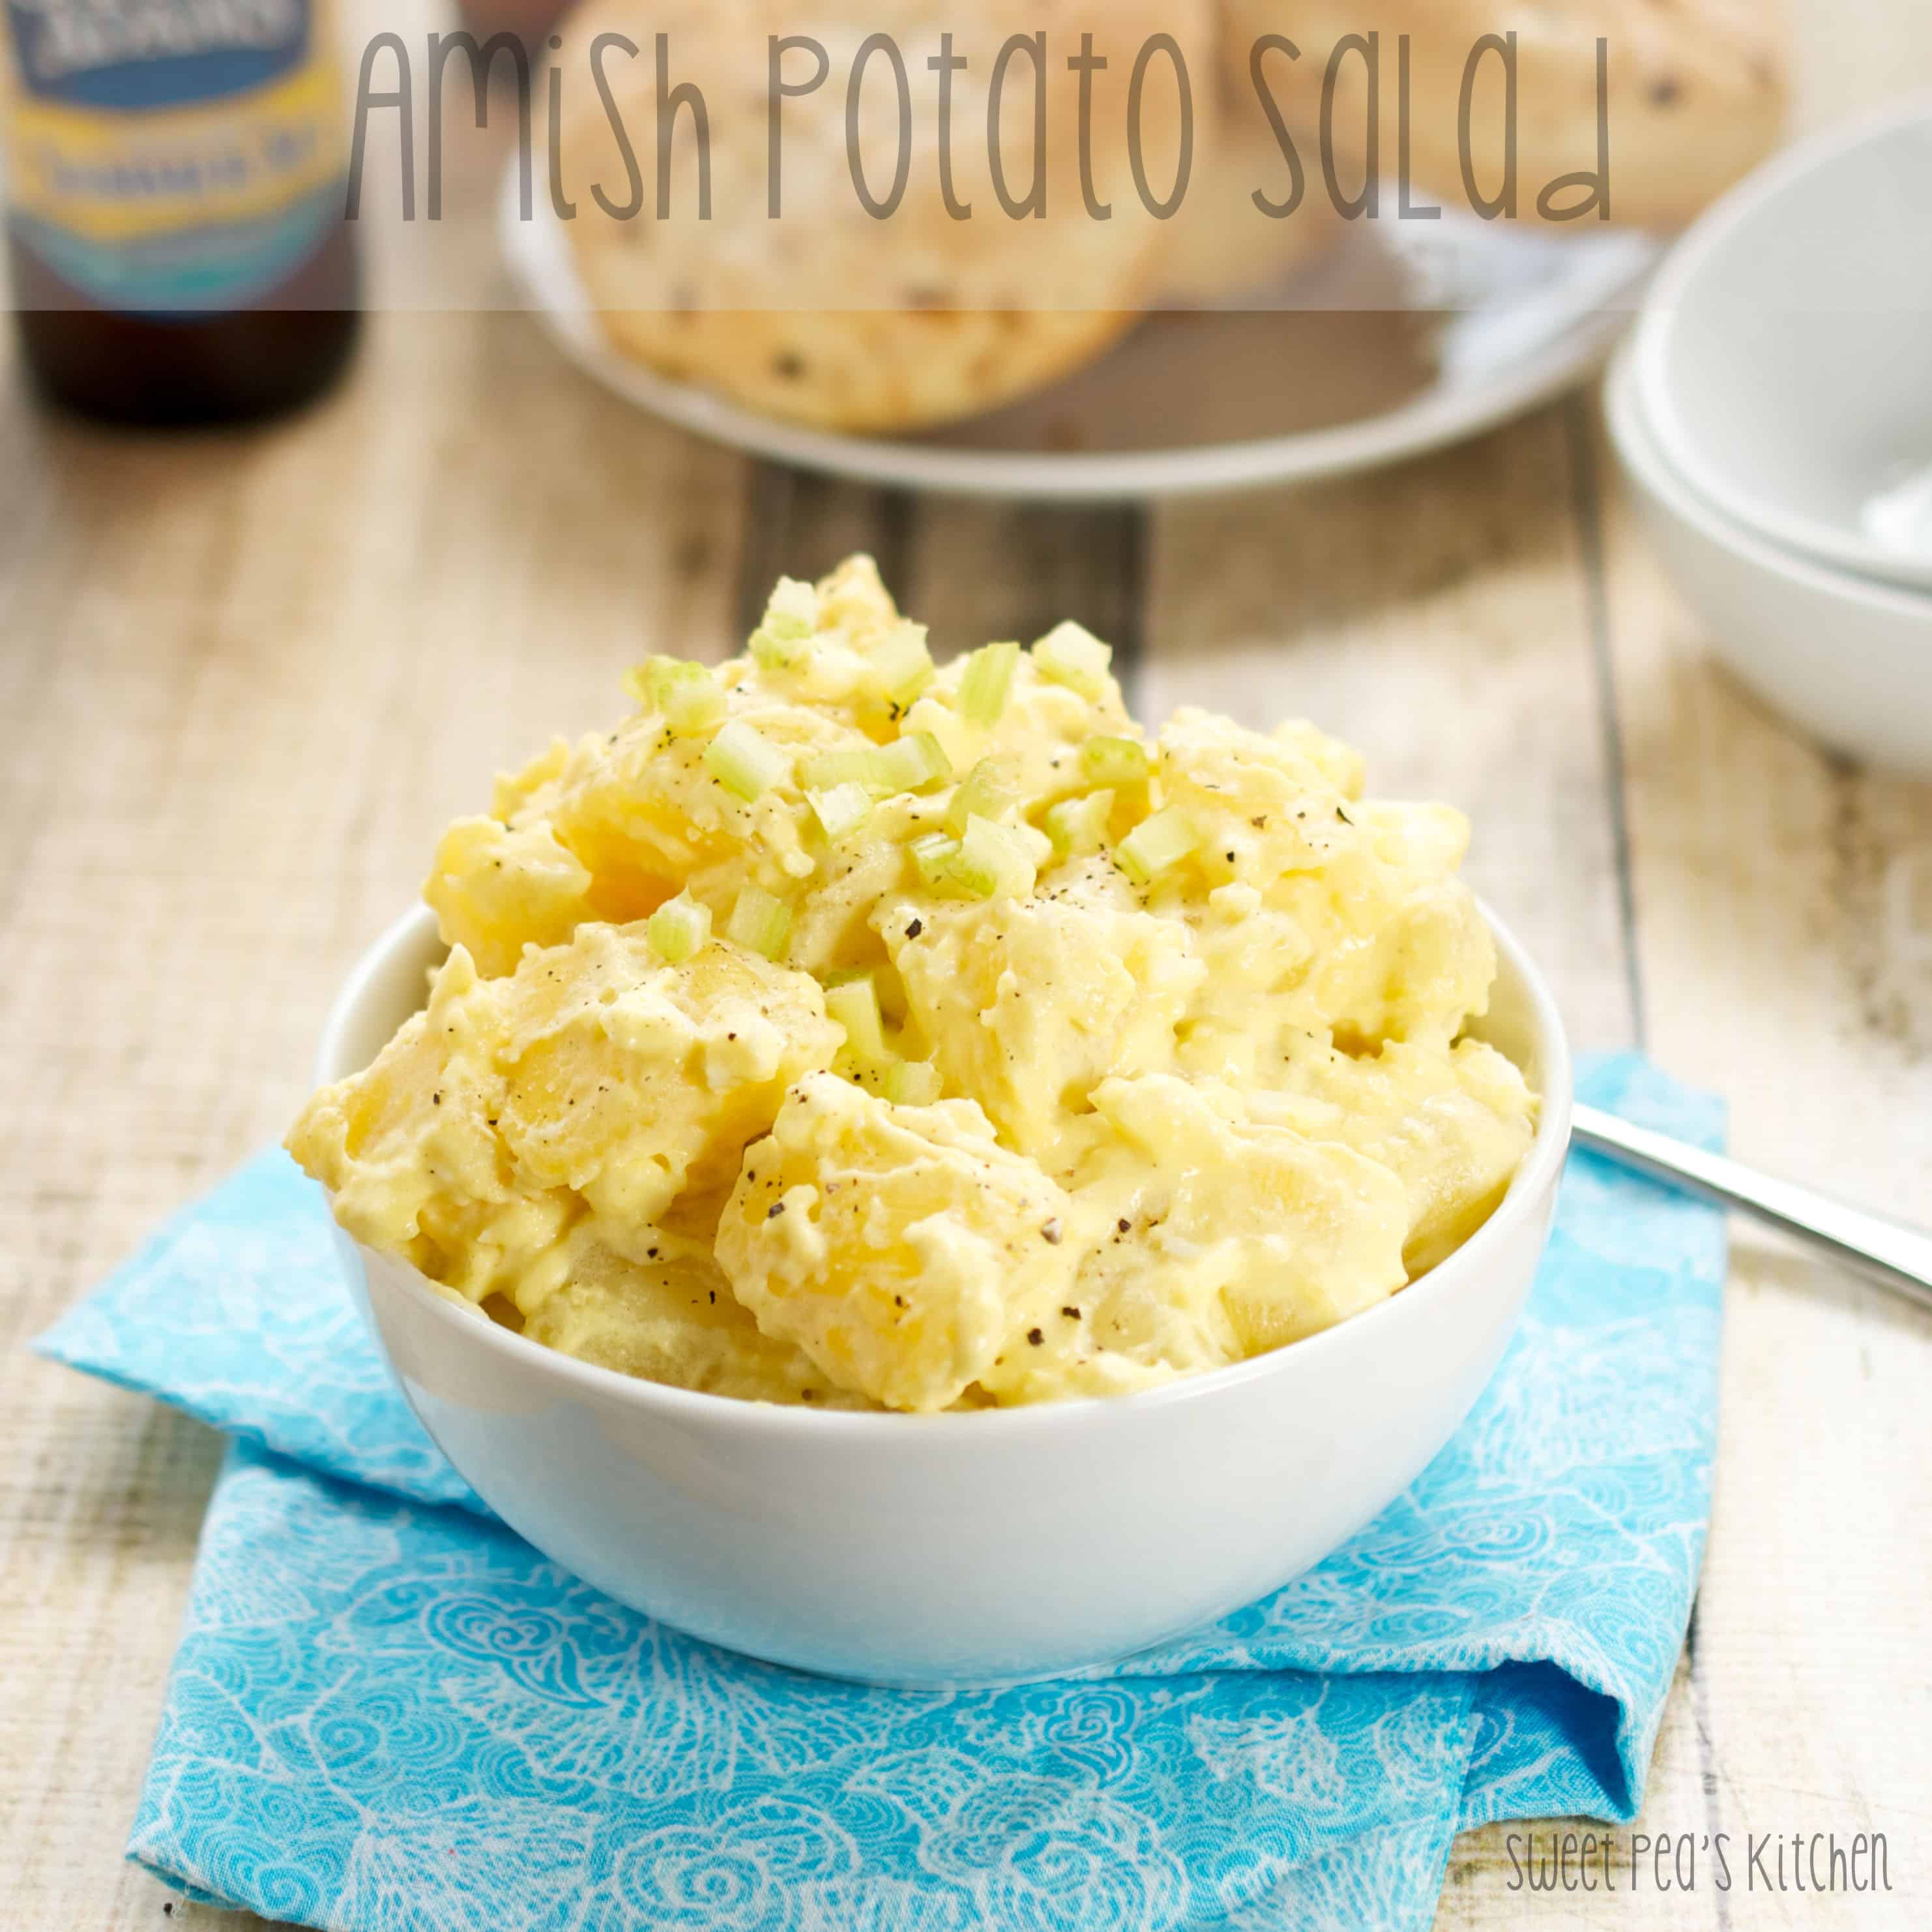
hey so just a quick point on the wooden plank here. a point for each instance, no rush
(247, 676)
(796, 524)
(250, 671)
(1786, 934)
(1446, 617)
(971, 571)
(982, 571)
(1782, 904)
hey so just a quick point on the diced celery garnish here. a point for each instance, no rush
(1070, 654)
(1156, 844)
(784, 633)
(825, 771)
(855, 1006)
(769, 652)
(984, 683)
(686, 696)
(792, 609)
(744, 762)
(1078, 825)
(908, 763)
(993, 861)
(691, 709)
(637, 683)
(678, 928)
(914, 761)
(1114, 761)
(901, 663)
(842, 809)
(1003, 851)
(1061, 822)
(912, 1083)
(989, 789)
(759, 922)
(931, 852)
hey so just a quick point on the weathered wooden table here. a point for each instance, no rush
(243, 679)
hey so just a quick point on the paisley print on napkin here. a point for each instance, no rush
(387, 1711)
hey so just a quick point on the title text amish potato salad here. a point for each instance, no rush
(844, 1029)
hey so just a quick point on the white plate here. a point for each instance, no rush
(1226, 399)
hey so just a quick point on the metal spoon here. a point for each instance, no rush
(1890, 1253)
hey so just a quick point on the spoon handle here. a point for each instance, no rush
(1887, 1252)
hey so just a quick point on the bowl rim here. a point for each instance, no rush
(1535, 1180)
(1641, 449)
(1789, 529)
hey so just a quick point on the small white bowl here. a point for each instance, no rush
(960, 1549)
(1844, 658)
(1784, 358)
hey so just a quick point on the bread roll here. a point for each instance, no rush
(827, 315)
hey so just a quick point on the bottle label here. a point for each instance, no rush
(172, 154)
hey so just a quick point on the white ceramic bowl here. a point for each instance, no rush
(959, 1548)
(1846, 658)
(1784, 358)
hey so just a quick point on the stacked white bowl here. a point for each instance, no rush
(1773, 409)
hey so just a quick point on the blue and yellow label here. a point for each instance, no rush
(166, 154)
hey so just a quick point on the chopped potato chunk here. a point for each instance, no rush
(1028, 1006)
(1453, 1127)
(902, 1248)
(632, 1081)
(595, 1083)
(674, 1320)
(1240, 1237)
(497, 890)
(862, 1021)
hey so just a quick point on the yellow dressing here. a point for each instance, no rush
(1187, 1030)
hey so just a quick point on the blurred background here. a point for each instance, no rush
(248, 669)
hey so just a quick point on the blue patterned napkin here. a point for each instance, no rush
(389, 1712)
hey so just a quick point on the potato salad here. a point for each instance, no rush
(844, 1028)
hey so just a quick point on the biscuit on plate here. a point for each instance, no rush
(828, 315)
(1696, 93)
(1225, 246)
